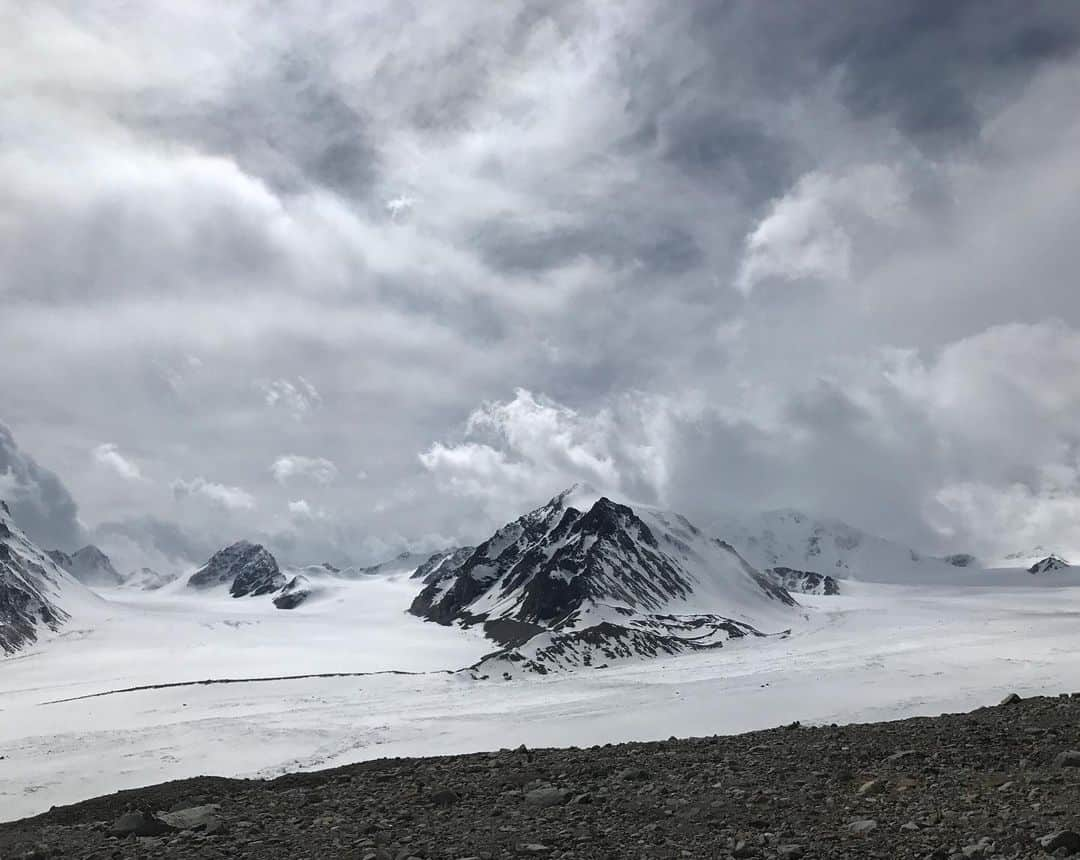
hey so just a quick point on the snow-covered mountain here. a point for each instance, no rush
(583, 581)
(148, 579)
(89, 565)
(36, 594)
(1050, 564)
(247, 568)
(790, 539)
(441, 562)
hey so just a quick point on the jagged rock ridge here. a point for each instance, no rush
(584, 580)
(33, 588)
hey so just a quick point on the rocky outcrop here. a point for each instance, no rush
(804, 581)
(247, 568)
(296, 591)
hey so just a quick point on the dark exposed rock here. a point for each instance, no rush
(31, 588)
(140, 823)
(804, 581)
(1068, 840)
(1011, 699)
(249, 570)
(296, 591)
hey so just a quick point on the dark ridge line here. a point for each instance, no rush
(210, 681)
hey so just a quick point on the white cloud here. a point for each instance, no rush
(231, 498)
(517, 451)
(292, 467)
(108, 455)
(298, 397)
(809, 232)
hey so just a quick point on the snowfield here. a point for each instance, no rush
(876, 651)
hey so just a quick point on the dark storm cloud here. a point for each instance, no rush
(39, 502)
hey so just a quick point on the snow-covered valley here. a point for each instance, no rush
(873, 652)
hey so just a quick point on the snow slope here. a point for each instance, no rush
(792, 539)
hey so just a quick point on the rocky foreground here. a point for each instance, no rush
(1002, 781)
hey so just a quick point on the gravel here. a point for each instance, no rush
(999, 782)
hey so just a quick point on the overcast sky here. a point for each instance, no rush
(350, 277)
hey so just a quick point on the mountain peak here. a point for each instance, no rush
(588, 572)
(248, 568)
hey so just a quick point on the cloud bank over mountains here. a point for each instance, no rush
(715, 256)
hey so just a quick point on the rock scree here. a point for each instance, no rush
(999, 782)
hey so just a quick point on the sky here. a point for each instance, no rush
(355, 278)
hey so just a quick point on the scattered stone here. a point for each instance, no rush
(981, 786)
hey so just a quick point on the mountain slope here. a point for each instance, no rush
(89, 565)
(790, 539)
(247, 568)
(35, 593)
(583, 580)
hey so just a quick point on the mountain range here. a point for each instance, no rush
(583, 580)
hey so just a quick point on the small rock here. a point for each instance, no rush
(874, 786)
(901, 755)
(542, 797)
(444, 797)
(743, 850)
(790, 852)
(1067, 839)
(140, 823)
(1011, 699)
(1069, 758)
(862, 825)
(531, 848)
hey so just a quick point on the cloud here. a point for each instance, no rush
(230, 498)
(39, 502)
(108, 455)
(298, 398)
(809, 232)
(522, 450)
(731, 257)
(293, 467)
